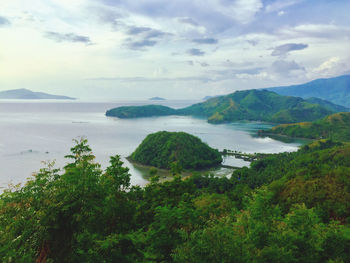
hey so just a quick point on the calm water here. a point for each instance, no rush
(32, 132)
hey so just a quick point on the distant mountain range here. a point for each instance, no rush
(210, 97)
(336, 90)
(253, 105)
(25, 94)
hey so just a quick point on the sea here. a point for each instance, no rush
(35, 133)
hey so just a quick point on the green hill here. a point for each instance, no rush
(336, 90)
(257, 105)
(164, 149)
(252, 105)
(336, 127)
(327, 104)
(140, 111)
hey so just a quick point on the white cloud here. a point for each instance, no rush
(242, 11)
(331, 67)
(316, 30)
(278, 5)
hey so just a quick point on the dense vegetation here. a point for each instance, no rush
(140, 111)
(335, 126)
(328, 105)
(290, 207)
(254, 105)
(336, 90)
(257, 105)
(169, 150)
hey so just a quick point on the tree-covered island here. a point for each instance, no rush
(168, 149)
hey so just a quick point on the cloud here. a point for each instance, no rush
(4, 21)
(204, 64)
(242, 11)
(68, 37)
(286, 48)
(195, 52)
(155, 79)
(286, 68)
(143, 37)
(140, 44)
(331, 67)
(188, 21)
(278, 5)
(327, 31)
(209, 41)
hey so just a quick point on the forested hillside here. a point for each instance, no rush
(335, 126)
(258, 105)
(290, 207)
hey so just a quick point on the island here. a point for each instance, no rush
(251, 105)
(335, 127)
(156, 98)
(126, 112)
(26, 94)
(169, 150)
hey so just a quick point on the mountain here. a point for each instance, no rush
(252, 105)
(327, 104)
(26, 94)
(335, 126)
(257, 105)
(156, 98)
(336, 90)
(175, 149)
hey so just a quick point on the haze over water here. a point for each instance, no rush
(32, 132)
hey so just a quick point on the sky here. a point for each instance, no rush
(176, 49)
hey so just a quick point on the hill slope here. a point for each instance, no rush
(336, 90)
(257, 105)
(336, 126)
(163, 149)
(26, 94)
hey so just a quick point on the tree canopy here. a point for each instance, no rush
(175, 149)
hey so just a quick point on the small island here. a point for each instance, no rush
(180, 150)
(126, 112)
(156, 98)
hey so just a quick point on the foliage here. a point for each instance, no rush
(335, 126)
(140, 111)
(285, 208)
(175, 150)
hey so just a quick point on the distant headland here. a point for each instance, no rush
(156, 98)
(26, 94)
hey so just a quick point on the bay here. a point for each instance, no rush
(33, 132)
